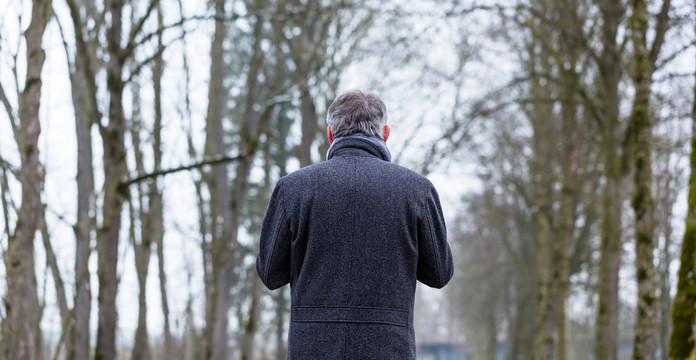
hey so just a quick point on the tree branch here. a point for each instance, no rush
(4, 190)
(214, 161)
(8, 108)
(139, 66)
(569, 74)
(136, 29)
(673, 56)
(5, 165)
(660, 31)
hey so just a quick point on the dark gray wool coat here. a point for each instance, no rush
(352, 235)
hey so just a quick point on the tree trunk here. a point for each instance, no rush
(215, 335)
(644, 343)
(561, 274)
(540, 118)
(20, 338)
(155, 194)
(114, 194)
(141, 248)
(569, 163)
(252, 325)
(83, 89)
(52, 262)
(309, 125)
(607, 326)
(280, 325)
(78, 342)
(681, 343)
(666, 187)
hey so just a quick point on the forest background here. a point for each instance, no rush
(140, 140)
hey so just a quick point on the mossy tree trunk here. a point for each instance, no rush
(684, 307)
(640, 134)
(540, 118)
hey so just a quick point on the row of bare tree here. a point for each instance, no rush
(582, 131)
(578, 157)
(285, 57)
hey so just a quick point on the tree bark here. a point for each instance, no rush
(114, 195)
(141, 248)
(609, 62)
(86, 114)
(540, 117)
(155, 194)
(78, 342)
(561, 274)
(666, 187)
(249, 133)
(215, 335)
(681, 343)
(21, 340)
(281, 349)
(644, 343)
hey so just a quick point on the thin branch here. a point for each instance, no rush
(569, 74)
(52, 262)
(660, 31)
(674, 55)
(130, 48)
(87, 69)
(4, 190)
(7, 166)
(215, 161)
(139, 66)
(133, 44)
(71, 64)
(8, 108)
(136, 29)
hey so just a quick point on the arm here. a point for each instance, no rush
(273, 259)
(435, 265)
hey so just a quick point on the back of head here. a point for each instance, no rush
(357, 112)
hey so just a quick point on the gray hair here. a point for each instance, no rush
(355, 111)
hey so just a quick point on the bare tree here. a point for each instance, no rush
(681, 344)
(87, 113)
(21, 337)
(640, 133)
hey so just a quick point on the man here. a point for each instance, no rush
(352, 235)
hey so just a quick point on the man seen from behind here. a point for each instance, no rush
(351, 235)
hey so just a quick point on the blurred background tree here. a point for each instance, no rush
(557, 133)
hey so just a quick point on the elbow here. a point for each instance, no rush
(272, 280)
(439, 279)
(446, 277)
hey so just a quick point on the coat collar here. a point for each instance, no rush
(348, 144)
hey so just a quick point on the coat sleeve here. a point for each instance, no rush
(273, 259)
(435, 265)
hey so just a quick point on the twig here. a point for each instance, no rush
(138, 26)
(139, 66)
(8, 108)
(4, 189)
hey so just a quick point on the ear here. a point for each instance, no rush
(386, 132)
(329, 135)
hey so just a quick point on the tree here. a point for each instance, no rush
(684, 306)
(20, 339)
(640, 131)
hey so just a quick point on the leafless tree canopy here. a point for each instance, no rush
(140, 142)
